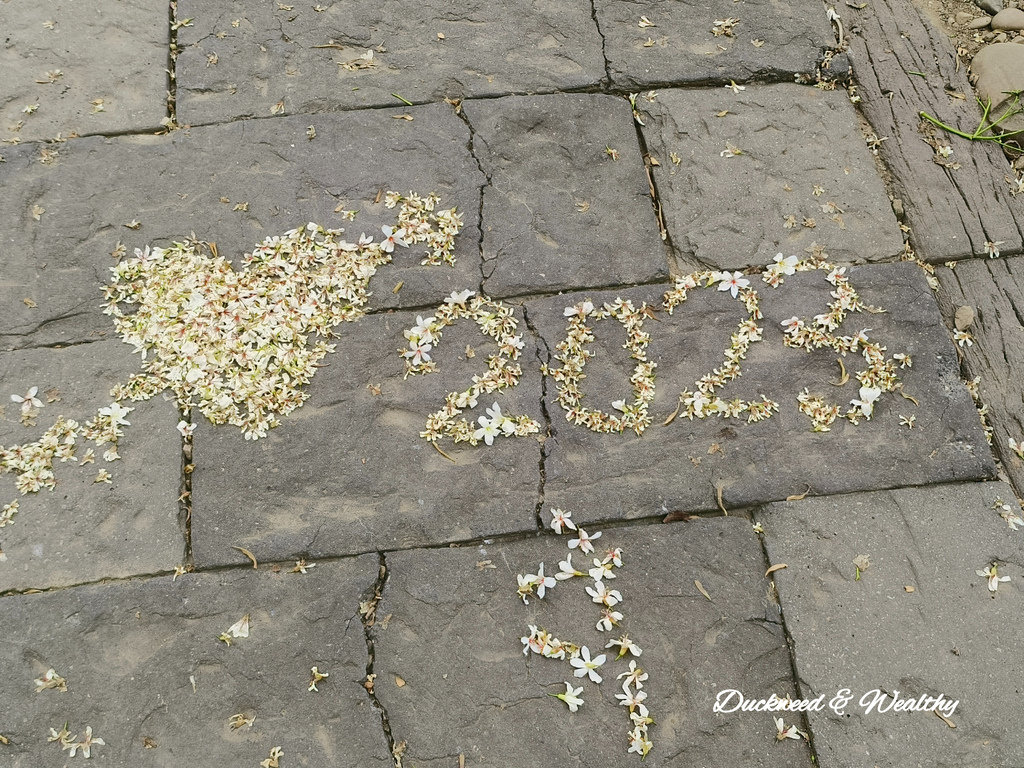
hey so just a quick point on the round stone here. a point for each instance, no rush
(1011, 19)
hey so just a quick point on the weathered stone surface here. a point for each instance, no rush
(453, 637)
(131, 651)
(730, 212)
(114, 53)
(83, 531)
(678, 467)
(680, 47)
(172, 185)
(348, 472)
(294, 55)
(946, 636)
(996, 355)
(559, 211)
(952, 212)
(1000, 71)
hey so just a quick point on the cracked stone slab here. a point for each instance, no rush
(875, 634)
(114, 54)
(173, 185)
(952, 212)
(450, 621)
(131, 652)
(680, 47)
(680, 466)
(559, 212)
(241, 62)
(83, 531)
(803, 156)
(992, 288)
(348, 472)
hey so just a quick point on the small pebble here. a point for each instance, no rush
(963, 18)
(1000, 38)
(979, 23)
(964, 318)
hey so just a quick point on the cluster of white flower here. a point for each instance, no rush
(573, 355)
(1013, 519)
(704, 402)
(70, 743)
(542, 642)
(421, 225)
(496, 321)
(33, 462)
(234, 343)
(881, 373)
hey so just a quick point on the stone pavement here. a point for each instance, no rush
(810, 462)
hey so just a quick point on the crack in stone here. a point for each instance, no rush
(798, 682)
(604, 45)
(368, 618)
(549, 431)
(460, 113)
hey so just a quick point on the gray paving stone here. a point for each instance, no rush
(173, 184)
(730, 212)
(295, 55)
(83, 531)
(681, 47)
(453, 637)
(947, 636)
(992, 289)
(130, 652)
(348, 472)
(115, 53)
(559, 212)
(678, 467)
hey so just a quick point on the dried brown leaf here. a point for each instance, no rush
(248, 554)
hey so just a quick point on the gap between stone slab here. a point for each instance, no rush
(805, 721)
(548, 431)
(172, 60)
(674, 266)
(471, 148)
(368, 618)
(185, 498)
(768, 78)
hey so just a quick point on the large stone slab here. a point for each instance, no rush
(173, 185)
(450, 622)
(348, 472)
(83, 531)
(559, 212)
(802, 156)
(680, 47)
(946, 636)
(680, 466)
(952, 211)
(65, 58)
(145, 670)
(422, 52)
(992, 289)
